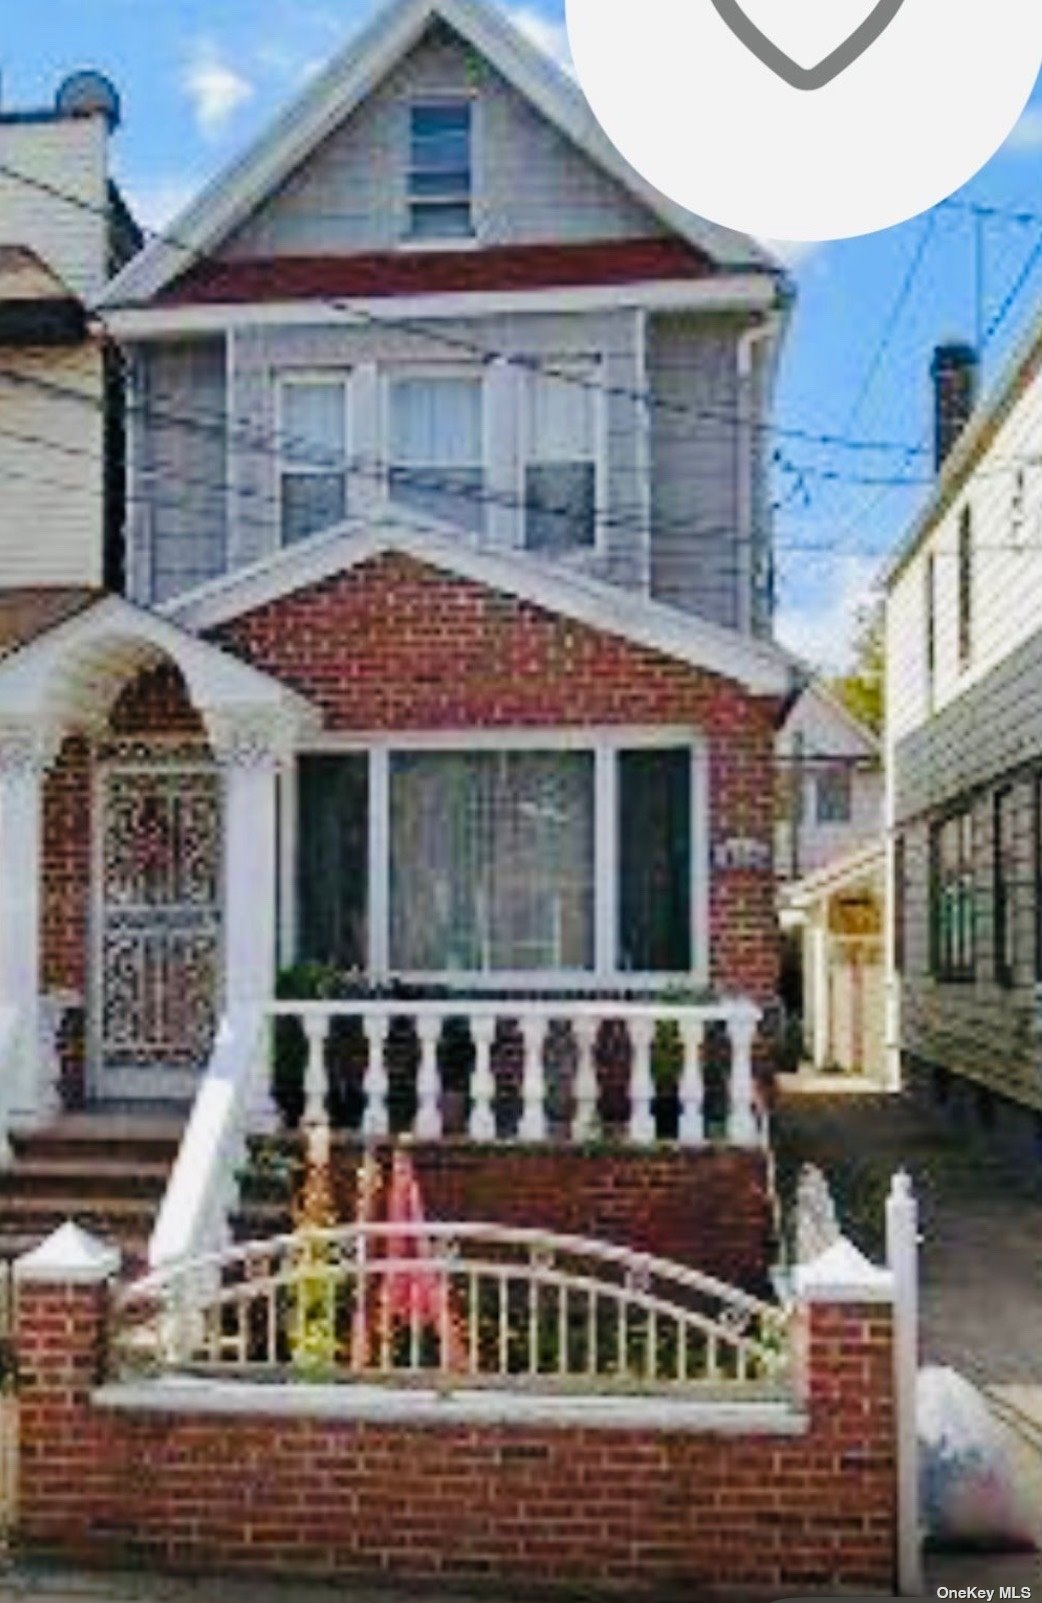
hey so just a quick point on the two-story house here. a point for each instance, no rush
(446, 655)
(964, 742)
(64, 230)
(829, 860)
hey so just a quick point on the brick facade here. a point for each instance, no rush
(536, 1505)
(396, 645)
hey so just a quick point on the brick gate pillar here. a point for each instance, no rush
(61, 1312)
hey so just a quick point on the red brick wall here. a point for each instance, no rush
(394, 644)
(532, 1506)
(707, 1207)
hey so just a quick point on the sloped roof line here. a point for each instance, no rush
(348, 79)
(762, 666)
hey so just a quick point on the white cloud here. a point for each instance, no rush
(548, 36)
(820, 627)
(1026, 138)
(215, 89)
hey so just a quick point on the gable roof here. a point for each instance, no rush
(349, 79)
(762, 667)
(818, 691)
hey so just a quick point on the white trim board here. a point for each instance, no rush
(350, 78)
(410, 1406)
(754, 291)
(762, 667)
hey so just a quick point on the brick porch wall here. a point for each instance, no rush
(539, 1506)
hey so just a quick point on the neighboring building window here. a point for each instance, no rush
(437, 448)
(930, 613)
(440, 170)
(655, 861)
(312, 456)
(561, 458)
(1005, 911)
(492, 861)
(900, 903)
(834, 788)
(965, 587)
(952, 897)
(1037, 852)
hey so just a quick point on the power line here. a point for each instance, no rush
(352, 309)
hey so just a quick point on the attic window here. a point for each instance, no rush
(440, 170)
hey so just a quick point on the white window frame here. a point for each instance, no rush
(394, 374)
(605, 744)
(533, 366)
(289, 378)
(409, 241)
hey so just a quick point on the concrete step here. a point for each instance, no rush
(35, 1175)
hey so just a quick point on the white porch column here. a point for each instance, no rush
(26, 753)
(250, 749)
(821, 1049)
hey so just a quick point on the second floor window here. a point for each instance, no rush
(900, 888)
(437, 447)
(312, 456)
(561, 458)
(965, 587)
(952, 897)
(440, 170)
(834, 789)
(930, 613)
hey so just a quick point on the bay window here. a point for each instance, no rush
(312, 455)
(576, 858)
(436, 446)
(560, 491)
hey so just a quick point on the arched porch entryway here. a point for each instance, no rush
(138, 775)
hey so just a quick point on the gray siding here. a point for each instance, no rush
(530, 184)
(692, 372)
(991, 728)
(989, 738)
(178, 468)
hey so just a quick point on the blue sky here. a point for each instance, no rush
(199, 77)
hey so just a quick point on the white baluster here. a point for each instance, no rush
(533, 1089)
(376, 1122)
(316, 1028)
(692, 1085)
(741, 1128)
(428, 1126)
(584, 1125)
(482, 1085)
(642, 1086)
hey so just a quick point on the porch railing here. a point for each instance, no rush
(236, 1096)
(455, 1306)
(649, 1029)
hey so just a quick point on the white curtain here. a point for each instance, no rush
(492, 862)
(436, 422)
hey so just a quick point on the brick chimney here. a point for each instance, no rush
(954, 371)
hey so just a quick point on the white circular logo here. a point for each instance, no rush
(807, 119)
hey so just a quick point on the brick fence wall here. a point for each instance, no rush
(538, 1505)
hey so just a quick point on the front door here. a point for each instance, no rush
(159, 929)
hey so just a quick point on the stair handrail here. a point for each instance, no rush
(203, 1188)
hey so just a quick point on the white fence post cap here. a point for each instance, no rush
(843, 1274)
(68, 1257)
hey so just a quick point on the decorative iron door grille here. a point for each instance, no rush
(160, 923)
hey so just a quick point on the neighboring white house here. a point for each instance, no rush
(964, 740)
(830, 784)
(63, 230)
